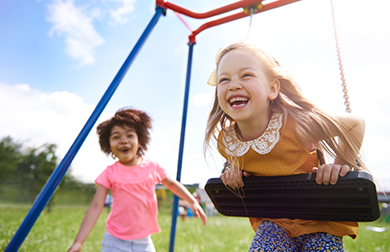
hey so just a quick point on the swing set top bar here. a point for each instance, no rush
(246, 4)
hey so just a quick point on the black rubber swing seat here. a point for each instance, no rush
(353, 198)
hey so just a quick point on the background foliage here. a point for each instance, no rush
(25, 170)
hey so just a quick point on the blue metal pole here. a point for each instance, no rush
(58, 174)
(181, 147)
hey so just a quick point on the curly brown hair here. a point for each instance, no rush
(136, 119)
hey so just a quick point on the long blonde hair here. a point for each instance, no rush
(316, 124)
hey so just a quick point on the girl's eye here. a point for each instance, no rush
(223, 80)
(247, 75)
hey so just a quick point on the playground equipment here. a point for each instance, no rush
(354, 198)
(249, 7)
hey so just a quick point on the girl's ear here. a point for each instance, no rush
(274, 89)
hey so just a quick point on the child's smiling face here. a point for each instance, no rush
(124, 145)
(243, 87)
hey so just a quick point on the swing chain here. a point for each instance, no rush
(344, 84)
(226, 167)
(252, 10)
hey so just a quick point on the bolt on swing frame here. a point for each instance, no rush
(59, 172)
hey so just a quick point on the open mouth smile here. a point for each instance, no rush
(124, 150)
(236, 102)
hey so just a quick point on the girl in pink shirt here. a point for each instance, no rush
(132, 181)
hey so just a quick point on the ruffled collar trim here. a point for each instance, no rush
(262, 145)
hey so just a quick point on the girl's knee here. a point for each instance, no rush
(323, 242)
(271, 237)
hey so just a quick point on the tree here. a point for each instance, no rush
(35, 168)
(24, 171)
(10, 157)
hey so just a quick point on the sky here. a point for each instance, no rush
(58, 57)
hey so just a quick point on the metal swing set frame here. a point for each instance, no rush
(249, 7)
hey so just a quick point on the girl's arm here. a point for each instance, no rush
(90, 218)
(329, 173)
(182, 192)
(356, 127)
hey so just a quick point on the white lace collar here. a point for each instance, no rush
(262, 145)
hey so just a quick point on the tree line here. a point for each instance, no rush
(25, 170)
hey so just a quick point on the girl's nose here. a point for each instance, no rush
(234, 86)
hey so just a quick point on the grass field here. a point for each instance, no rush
(56, 231)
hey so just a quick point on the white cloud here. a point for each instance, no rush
(119, 15)
(75, 24)
(202, 99)
(164, 149)
(34, 118)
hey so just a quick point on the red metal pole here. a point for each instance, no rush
(240, 4)
(183, 21)
(212, 13)
(236, 16)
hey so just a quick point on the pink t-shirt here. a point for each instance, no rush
(134, 207)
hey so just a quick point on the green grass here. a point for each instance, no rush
(53, 231)
(56, 231)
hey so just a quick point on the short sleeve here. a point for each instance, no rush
(103, 179)
(161, 173)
